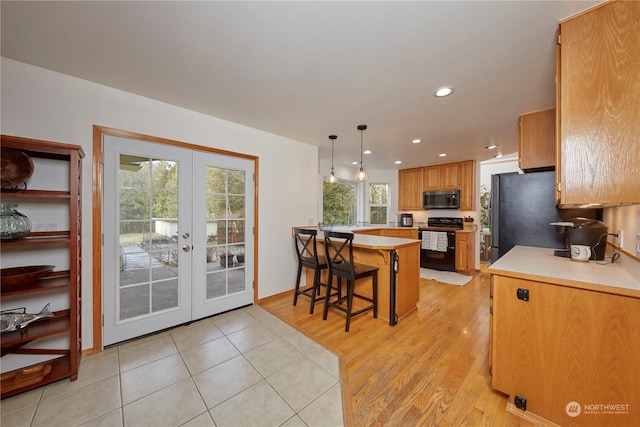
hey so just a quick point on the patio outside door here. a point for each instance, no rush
(178, 240)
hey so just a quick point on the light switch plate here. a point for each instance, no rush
(637, 244)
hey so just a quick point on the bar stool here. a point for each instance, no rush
(339, 255)
(305, 244)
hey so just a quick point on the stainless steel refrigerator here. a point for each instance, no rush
(521, 206)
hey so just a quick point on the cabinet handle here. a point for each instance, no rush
(523, 294)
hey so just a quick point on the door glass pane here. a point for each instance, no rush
(226, 227)
(148, 207)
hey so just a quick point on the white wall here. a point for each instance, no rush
(627, 220)
(504, 164)
(41, 104)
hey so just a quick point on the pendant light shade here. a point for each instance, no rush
(361, 174)
(332, 176)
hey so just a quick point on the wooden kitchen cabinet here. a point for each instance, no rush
(565, 344)
(468, 185)
(431, 178)
(537, 147)
(47, 350)
(410, 189)
(451, 176)
(598, 102)
(442, 177)
(465, 251)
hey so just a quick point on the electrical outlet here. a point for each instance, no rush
(637, 244)
(619, 239)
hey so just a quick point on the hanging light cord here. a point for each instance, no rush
(361, 146)
(332, 140)
(361, 174)
(332, 175)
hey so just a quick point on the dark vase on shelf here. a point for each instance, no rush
(13, 224)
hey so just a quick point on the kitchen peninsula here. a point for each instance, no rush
(398, 288)
(564, 338)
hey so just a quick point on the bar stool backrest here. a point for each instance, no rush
(339, 253)
(306, 248)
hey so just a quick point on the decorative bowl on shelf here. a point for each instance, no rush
(16, 167)
(14, 278)
(13, 224)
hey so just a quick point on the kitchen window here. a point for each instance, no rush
(339, 203)
(378, 203)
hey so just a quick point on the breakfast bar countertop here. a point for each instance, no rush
(381, 242)
(539, 263)
(373, 242)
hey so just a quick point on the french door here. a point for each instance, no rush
(178, 236)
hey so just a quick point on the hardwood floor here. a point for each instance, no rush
(429, 370)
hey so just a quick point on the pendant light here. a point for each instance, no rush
(361, 175)
(332, 176)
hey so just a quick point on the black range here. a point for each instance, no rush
(438, 248)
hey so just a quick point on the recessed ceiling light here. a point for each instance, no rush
(443, 91)
(491, 147)
(355, 163)
(397, 162)
(367, 151)
(497, 156)
(442, 155)
(416, 141)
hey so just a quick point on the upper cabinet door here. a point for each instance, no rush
(599, 106)
(410, 189)
(537, 150)
(450, 176)
(442, 177)
(431, 178)
(468, 187)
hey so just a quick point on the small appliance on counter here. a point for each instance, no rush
(406, 220)
(582, 232)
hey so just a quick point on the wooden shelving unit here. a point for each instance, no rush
(61, 363)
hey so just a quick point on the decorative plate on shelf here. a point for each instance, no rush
(16, 168)
(15, 278)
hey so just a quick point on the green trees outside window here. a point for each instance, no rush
(339, 203)
(378, 203)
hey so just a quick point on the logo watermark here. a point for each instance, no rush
(573, 409)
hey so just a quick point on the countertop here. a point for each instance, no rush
(415, 227)
(382, 242)
(531, 263)
(373, 242)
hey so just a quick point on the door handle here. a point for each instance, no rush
(186, 248)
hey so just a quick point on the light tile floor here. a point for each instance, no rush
(242, 368)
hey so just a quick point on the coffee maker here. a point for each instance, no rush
(582, 231)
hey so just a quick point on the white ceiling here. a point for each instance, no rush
(305, 70)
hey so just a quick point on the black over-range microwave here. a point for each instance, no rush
(444, 199)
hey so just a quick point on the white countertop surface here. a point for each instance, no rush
(374, 242)
(382, 242)
(541, 262)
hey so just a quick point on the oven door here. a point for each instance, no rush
(439, 260)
